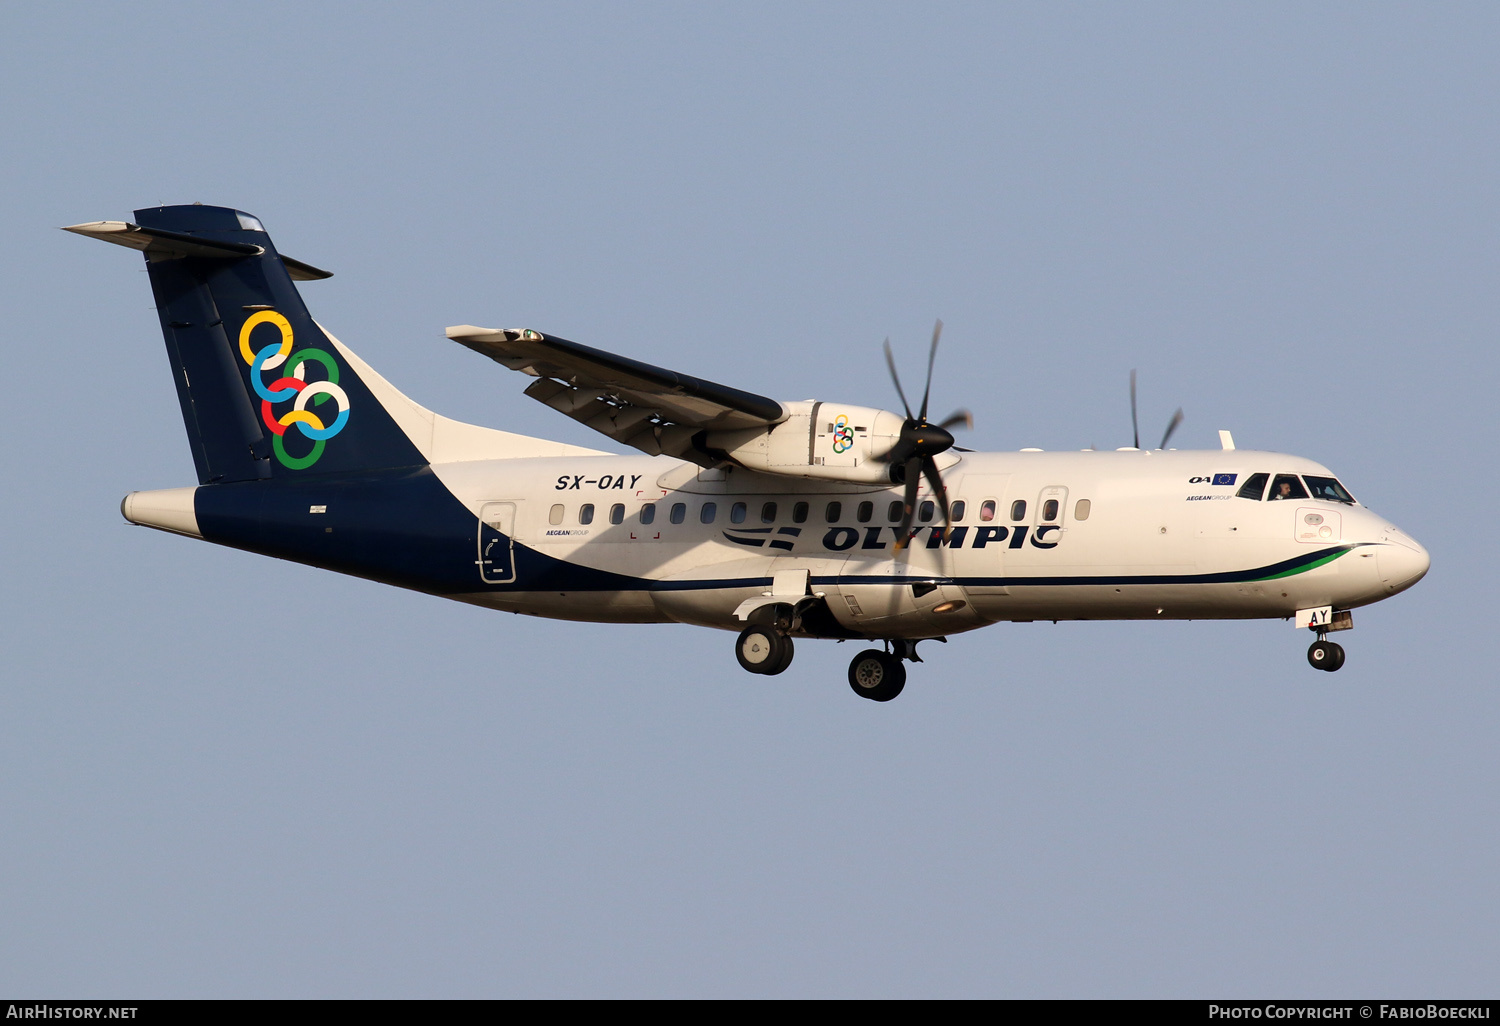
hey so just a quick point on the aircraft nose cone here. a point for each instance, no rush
(1403, 562)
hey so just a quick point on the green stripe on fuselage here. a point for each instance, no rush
(1322, 561)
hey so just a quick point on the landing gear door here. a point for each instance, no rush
(497, 558)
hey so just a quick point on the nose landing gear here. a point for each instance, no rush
(1325, 655)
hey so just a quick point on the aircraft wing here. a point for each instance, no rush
(653, 409)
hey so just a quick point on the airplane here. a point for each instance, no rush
(774, 520)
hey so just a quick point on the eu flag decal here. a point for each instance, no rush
(1224, 479)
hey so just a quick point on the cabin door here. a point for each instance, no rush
(497, 557)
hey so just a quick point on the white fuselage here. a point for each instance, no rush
(1042, 535)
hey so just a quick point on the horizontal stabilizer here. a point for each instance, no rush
(161, 243)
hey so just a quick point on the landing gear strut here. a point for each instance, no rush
(762, 649)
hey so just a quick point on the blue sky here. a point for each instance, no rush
(226, 775)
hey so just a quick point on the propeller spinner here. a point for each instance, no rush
(914, 454)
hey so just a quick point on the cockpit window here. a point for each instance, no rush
(1254, 487)
(1328, 488)
(1286, 486)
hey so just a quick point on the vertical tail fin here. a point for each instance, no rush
(264, 392)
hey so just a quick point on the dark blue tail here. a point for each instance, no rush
(264, 392)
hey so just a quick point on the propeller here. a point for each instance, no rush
(1176, 420)
(1135, 428)
(1135, 425)
(913, 457)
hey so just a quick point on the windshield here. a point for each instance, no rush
(1254, 487)
(1328, 488)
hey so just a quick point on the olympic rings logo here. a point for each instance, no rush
(843, 434)
(294, 386)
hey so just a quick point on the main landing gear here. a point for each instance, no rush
(763, 649)
(880, 676)
(876, 675)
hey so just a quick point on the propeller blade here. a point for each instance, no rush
(1176, 420)
(913, 473)
(956, 418)
(1135, 427)
(890, 361)
(929, 468)
(937, 331)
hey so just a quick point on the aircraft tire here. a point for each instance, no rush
(761, 650)
(783, 658)
(1325, 655)
(877, 676)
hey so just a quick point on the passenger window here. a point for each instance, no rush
(799, 513)
(648, 512)
(956, 511)
(987, 510)
(1049, 511)
(865, 512)
(708, 512)
(926, 510)
(768, 513)
(833, 512)
(555, 515)
(1081, 509)
(1254, 487)
(1018, 510)
(617, 513)
(737, 513)
(1328, 489)
(1286, 486)
(586, 513)
(679, 512)
(894, 510)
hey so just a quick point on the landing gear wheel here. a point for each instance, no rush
(784, 659)
(1325, 655)
(762, 650)
(877, 676)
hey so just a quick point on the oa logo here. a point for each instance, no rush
(293, 387)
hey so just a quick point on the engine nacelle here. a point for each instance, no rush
(821, 440)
